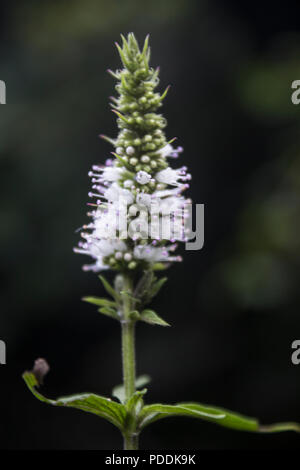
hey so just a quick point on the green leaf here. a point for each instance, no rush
(133, 45)
(125, 85)
(128, 294)
(162, 97)
(114, 74)
(106, 408)
(119, 391)
(149, 316)
(110, 312)
(125, 61)
(108, 307)
(243, 423)
(279, 427)
(125, 45)
(124, 163)
(157, 286)
(148, 286)
(136, 401)
(99, 301)
(120, 115)
(152, 413)
(134, 315)
(229, 419)
(160, 266)
(145, 48)
(144, 284)
(133, 407)
(172, 140)
(109, 289)
(105, 137)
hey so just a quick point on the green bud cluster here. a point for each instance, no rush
(120, 261)
(141, 135)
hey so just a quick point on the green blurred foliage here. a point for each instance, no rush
(261, 268)
(36, 22)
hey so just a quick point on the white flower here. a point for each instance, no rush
(112, 173)
(108, 247)
(166, 205)
(99, 249)
(128, 183)
(108, 173)
(144, 199)
(115, 193)
(172, 177)
(169, 151)
(168, 192)
(106, 222)
(166, 150)
(154, 254)
(109, 236)
(128, 256)
(130, 150)
(119, 151)
(143, 177)
(150, 253)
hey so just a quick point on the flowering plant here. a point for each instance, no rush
(137, 187)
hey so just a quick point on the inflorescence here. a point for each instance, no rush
(138, 177)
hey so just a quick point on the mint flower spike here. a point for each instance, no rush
(137, 177)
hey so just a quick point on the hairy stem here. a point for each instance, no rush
(128, 353)
(131, 442)
(128, 359)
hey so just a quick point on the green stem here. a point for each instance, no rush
(128, 353)
(131, 442)
(128, 360)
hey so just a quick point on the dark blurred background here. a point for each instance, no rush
(234, 305)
